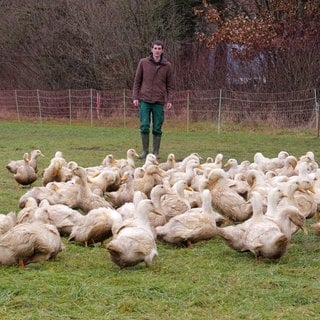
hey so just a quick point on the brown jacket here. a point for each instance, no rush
(153, 82)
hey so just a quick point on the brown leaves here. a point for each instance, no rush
(258, 26)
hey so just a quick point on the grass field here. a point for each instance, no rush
(209, 281)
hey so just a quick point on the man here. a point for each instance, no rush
(152, 89)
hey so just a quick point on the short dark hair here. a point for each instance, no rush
(157, 43)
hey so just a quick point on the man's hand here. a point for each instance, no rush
(136, 103)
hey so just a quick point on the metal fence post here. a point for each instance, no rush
(316, 105)
(91, 107)
(39, 106)
(188, 109)
(124, 108)
(70, 107)
(219, 111)
(17, 105)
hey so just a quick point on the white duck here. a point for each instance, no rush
(226, 200)
(175, 202)
(134, 241)
(7, 221)
(268, 237)
(86, 199)
(192, 226)
(25, 174)
(96, 226)
(29, 243)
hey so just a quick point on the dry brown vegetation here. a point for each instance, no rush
(53, 45)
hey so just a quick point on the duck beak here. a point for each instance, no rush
(188, 188)
(312, 190)
(157, 212)
(301, 190)
(123, 178)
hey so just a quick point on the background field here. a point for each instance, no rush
(210, 281)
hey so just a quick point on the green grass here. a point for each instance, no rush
(210, 281)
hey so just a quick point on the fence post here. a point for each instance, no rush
(69, 107)
(124, 108)
(17, 105)
(188, 109)
(219, 112)
(39, 106)
(316, 105)
(91, 107)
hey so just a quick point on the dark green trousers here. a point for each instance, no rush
(151, 112)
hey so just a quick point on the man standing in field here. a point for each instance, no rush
(152, 89)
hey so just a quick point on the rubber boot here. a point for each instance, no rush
(145, 145)
(156, 145)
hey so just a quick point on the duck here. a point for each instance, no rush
(96, 226)
(128, 209)
(57, 170)
(109, 161)
(25, 175)
(175, 202)
(269, 237)
(27, 243)
(35, 154)
(233, 235)
(169, 164)
(303, 195)
(289, 168)
(151, 159)
(309, 159)
(270, 164)
(86, 199)
(7, 221)
(128, 164)
(194, 225)
(55, 192)
(217, 163)
(27, 212)
(13, 165)
(226, 200)
(232, 167)
(149, 179)
(159, 218)
(258, 182)
(125, 193)
(104, 180)
(182, 165)
(189, 174)
(134, 242)
(61, 216)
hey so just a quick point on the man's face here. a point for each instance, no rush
(157, 51)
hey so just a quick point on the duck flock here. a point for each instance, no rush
(254, 206)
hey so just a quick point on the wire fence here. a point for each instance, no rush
(299, 109)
